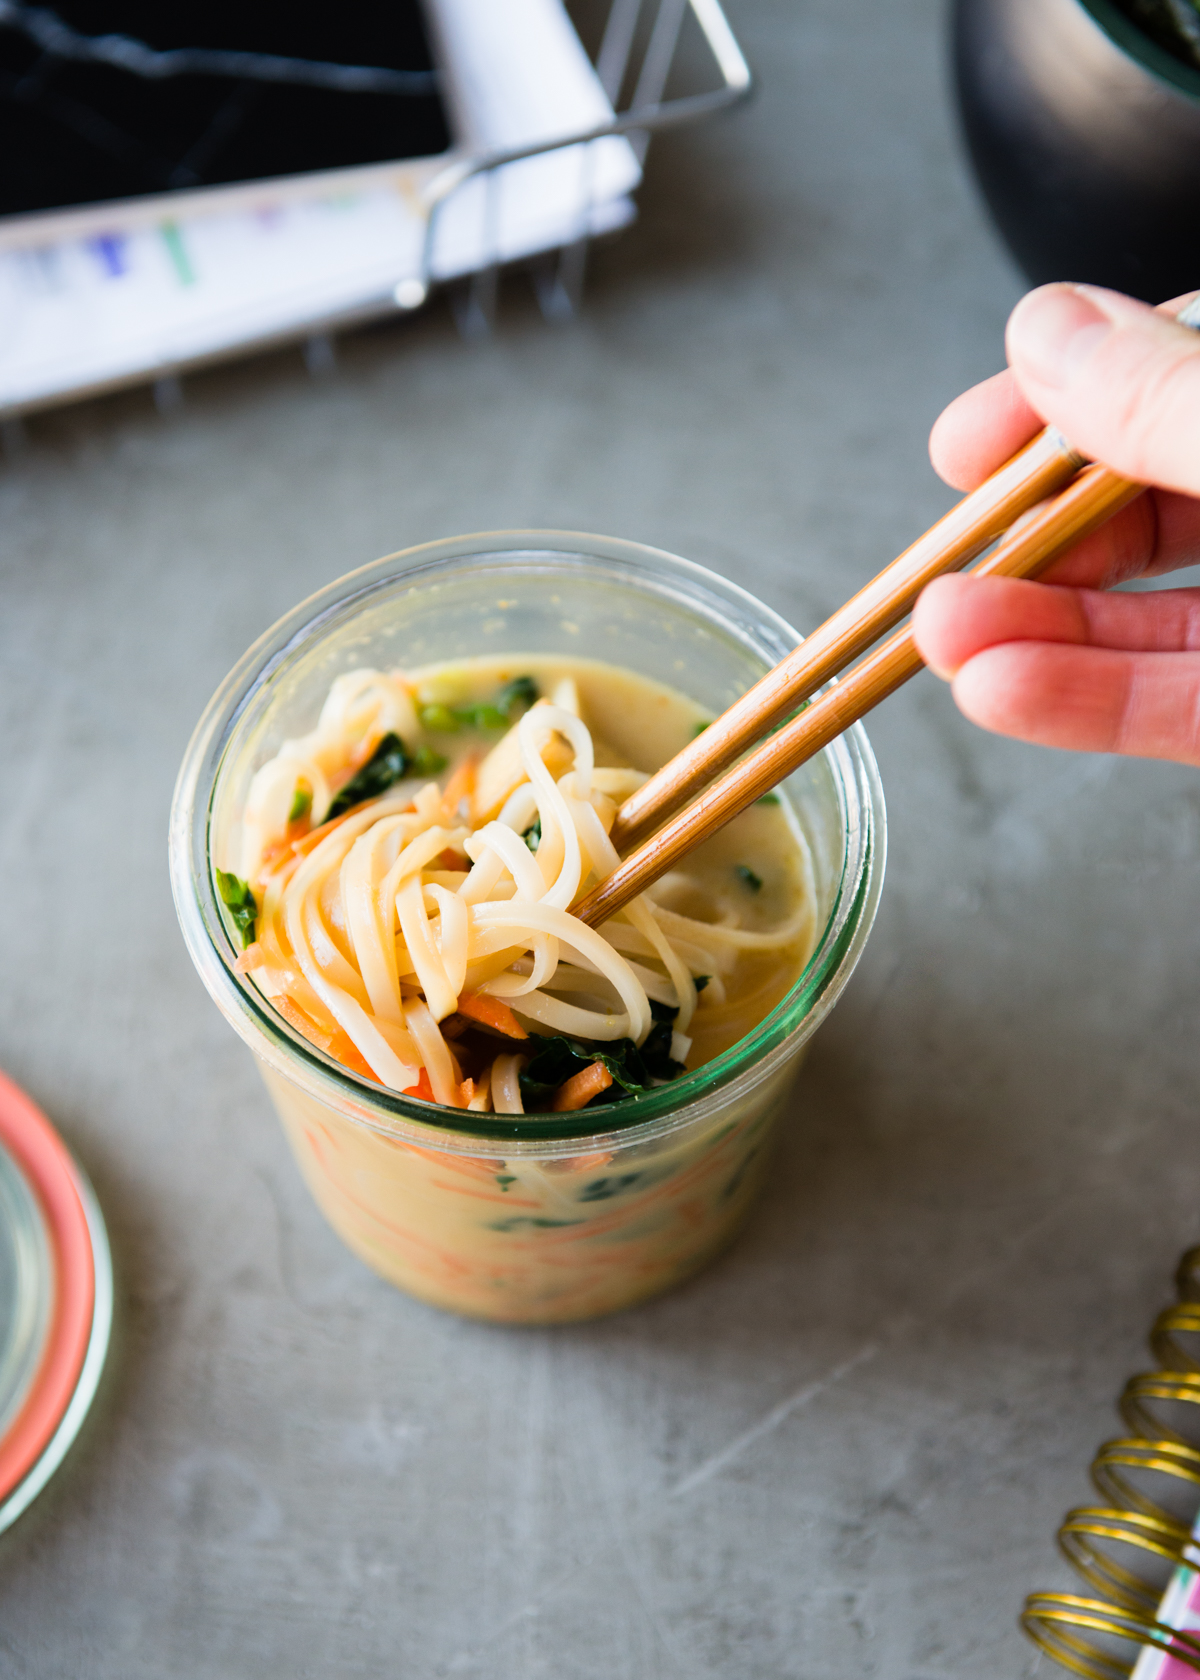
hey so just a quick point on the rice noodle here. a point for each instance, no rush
(638, 912)
(481, 1100)
(506, 1091)
(367, 917)
(790, 932)
(433, 1047)
(517, 919)
(452, 936)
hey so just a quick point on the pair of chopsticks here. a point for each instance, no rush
(681, 805)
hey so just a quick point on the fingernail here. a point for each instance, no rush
(1053, 331)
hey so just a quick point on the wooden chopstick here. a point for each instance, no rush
(1094, 496)
(1042, 467)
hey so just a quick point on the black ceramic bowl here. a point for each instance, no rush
(1085, 136)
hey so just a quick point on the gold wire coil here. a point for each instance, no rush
(1066, 1626)
(1166, 1458)
(1081, 1530)
(1159, 1385)
(1183, 1319)
(1048, 1617)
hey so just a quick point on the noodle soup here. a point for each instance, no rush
(398, 870)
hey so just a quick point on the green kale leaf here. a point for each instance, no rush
(480, 714)
(558, 1058)
(426, 762)
(521, 691)
(656, 1046)
(236, 895)
(443, 720)
(389, 763)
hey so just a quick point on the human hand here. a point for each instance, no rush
(1059, 662)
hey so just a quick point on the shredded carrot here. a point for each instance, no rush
(295, 1017)
(460, 786)
(358, 758)
(250, 958)
(579, 1090)
(313, 839)
(491, 1012)
(463, 1166)
(578, 1163)
(343, 1049)
(337, 1044)
(422, 1090)
(450, 859)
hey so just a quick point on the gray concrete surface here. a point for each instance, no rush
(845, 1449)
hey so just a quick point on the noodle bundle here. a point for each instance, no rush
(422, 935)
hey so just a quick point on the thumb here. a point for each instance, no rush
(1121, 380)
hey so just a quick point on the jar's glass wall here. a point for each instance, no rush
(536, 1239)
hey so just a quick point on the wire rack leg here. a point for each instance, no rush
(613, 59)
(168, 393)
(558, 281)
(13, 437)
(320, 355)
(656, 66)
(474, 303)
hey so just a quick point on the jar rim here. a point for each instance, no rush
(751, 1059)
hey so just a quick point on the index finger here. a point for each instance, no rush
(980, 430)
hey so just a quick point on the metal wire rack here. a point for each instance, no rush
(660, 63)
(637, 53)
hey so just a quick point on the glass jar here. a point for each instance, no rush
(540, 1218)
